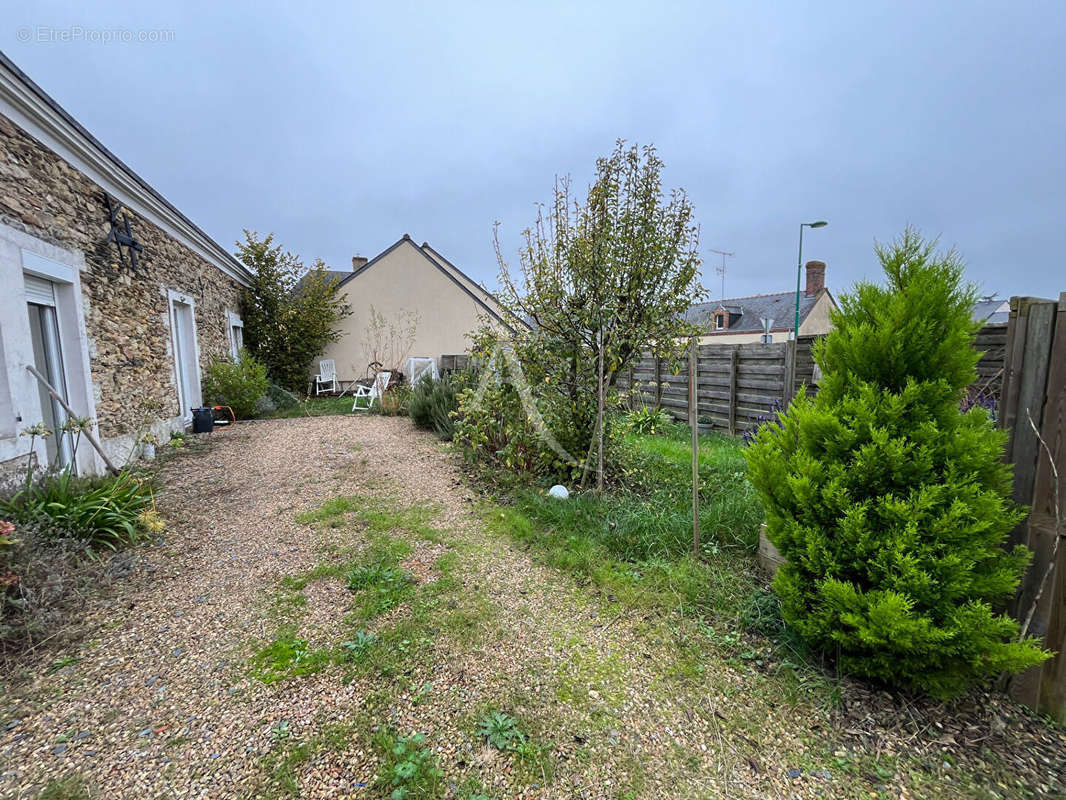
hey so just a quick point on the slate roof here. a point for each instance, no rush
(991, 312)
(781, 308)
(337, 275)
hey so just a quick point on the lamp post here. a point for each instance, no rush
(799, 270)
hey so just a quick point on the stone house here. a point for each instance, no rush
(740, 320)
(410, 286)
(122, 327)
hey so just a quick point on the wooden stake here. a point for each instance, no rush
(599, 420)
(88, 434)
(693, 421)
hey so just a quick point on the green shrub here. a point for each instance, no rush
(282, 398)
(891, 504)
(433, 403)
(648, 421)
(236, 383)
(540, 433)
(109, 512)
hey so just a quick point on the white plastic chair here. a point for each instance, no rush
(326, 379)
(372, 392)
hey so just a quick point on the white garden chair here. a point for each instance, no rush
(372, 392)
(326, 379)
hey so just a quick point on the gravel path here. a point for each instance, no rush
(158, 702)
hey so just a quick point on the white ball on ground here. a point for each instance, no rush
(559, 492)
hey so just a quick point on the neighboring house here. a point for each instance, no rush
(739, 320)
(991, 311)
(408, 279)
(124, 335)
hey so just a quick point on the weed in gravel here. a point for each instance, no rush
(505, 733)
(357, 647)
(287, 657)
(283, 763)
(408, 768)
(72, 787)
(379, 587)
(500, 730)
(281, 731)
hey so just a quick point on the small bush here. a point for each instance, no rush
(394, 402)
(647, 421)
(433, 404)
(891, 504)
(109, 512)
(238, 384)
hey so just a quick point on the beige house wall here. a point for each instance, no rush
(817, 321)
(404, 280)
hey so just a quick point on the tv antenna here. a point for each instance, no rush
(721, 270)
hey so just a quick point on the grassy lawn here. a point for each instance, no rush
(636, 544)
(314, 407)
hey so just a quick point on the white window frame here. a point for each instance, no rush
(196, 398)
(233, 320)
(20, 405)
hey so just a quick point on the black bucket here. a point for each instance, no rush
(203, 420)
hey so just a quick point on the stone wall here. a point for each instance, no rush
(126, 313)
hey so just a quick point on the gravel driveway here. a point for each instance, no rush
(160, 699)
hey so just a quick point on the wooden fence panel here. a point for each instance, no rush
(992, 342)
(736, 385)
(1034, 386)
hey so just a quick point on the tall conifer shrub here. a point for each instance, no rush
(890, 504)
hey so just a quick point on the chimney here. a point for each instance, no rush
(815, 277)
(358, 262)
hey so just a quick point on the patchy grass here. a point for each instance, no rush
(283, 764)
(314, 407)
(379, 584)
(377, 514)
(73, 787)
(288, 656)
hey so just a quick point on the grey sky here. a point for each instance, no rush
(340, 128)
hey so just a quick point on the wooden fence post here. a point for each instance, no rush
(790, 371)
(694, 422)
(658, 383)
(1029, 357)
(733, 365)
(1042, 687)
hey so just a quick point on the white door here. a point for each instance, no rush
(186, 365)
(48, 358)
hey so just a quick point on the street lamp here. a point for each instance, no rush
(799, 269)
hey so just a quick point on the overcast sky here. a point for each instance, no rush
(341, 128)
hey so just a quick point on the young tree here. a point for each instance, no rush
(890, 504)
(604, 279)
(289, 316)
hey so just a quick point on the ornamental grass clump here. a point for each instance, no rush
(890, 503)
